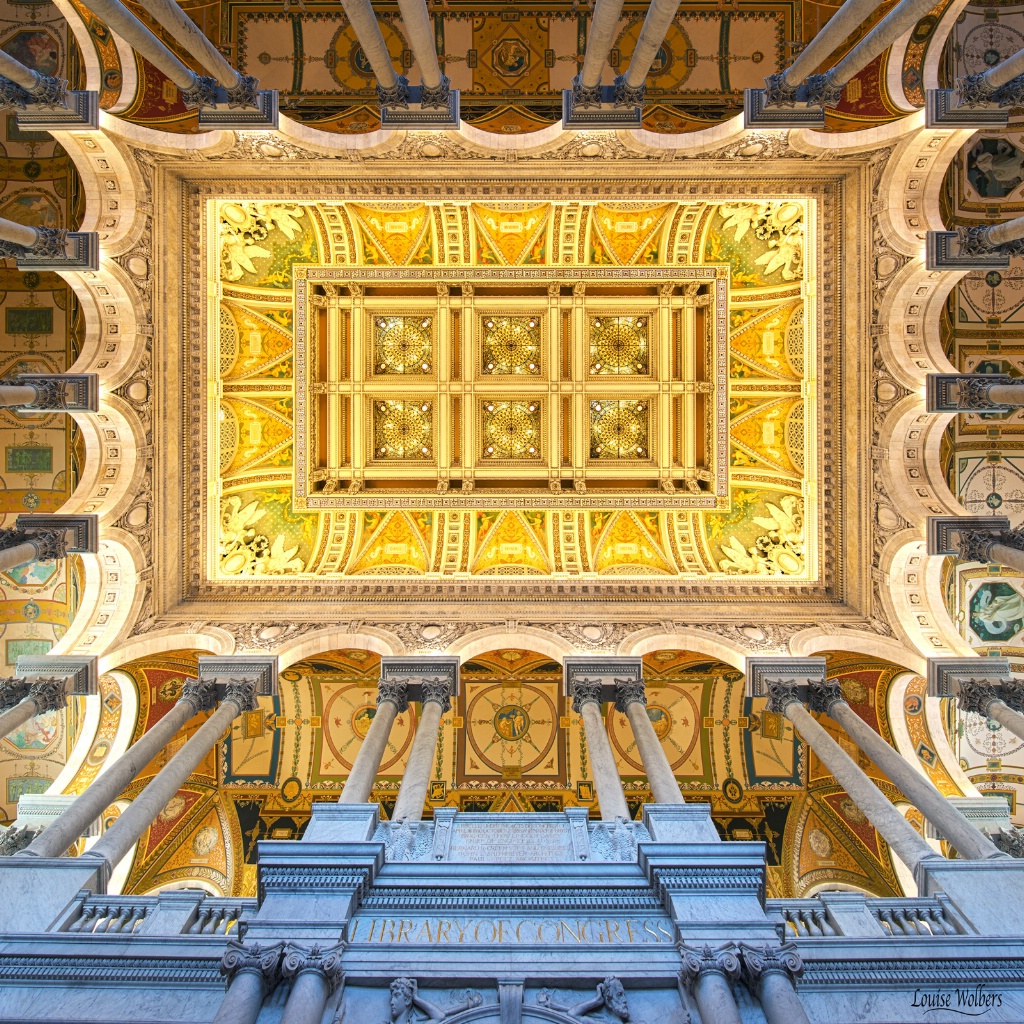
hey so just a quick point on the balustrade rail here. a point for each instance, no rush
(134, 915)
(849, 915)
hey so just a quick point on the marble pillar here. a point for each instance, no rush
(109, 784)
(252, 973)
(42, 694)
(1001, 703)
(906, 843)
(392, 88)
(631, 87)
(20, 86)
(631, 700)
(125, 832)
(392, 700)
(18, 240)
(586, 86)
(314, 974)
(412, 795)
(769, 973)
(419, 31)
(827, 699)
(708, 975)
(586, 702)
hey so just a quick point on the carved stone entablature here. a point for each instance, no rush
(424, 677)
(259, 670)
(609, 674)
(796, 672)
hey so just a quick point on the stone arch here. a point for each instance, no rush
(322, 641)
(814, 641)
(499, 637)
(686, 639)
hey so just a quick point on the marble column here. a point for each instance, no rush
(909, 846)
(50, 392)
(1007, 238)
(1000, 702)
(827, 89)
(19, 240)
(972, 844)
(125, 832)
(977, 539)
(769, 974)
(586, 702)
(419, 31)
(631, 700)
(196, 90)
(41, 694)
(1002, 84)
(392, 700)
(108, 785)
(252, 973)
(631, 87)
(20, 86)
(707, 975)
(973, 392)
(314, 975)
(435, 696)
(586, 86)
(392, 88)
(20, 547)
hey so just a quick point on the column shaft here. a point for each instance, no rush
(364, 24)
(779, 1001)
(602, 764)
(20, 554)
(307, 999)
(19, 234)
(359, 784)
(906, 843)
(188, 34)
(109, 785)
(829, 38)
(1006, 394)
(903, 17)
(1008, 231)
(420, 31)
(968, 840)
(243, 1000)
(1002, 713)
(18, 715)
(1004, 554)
(652, 35)
(1000, 74)
(15, 395)
(652, 754)
(128, 829)
(413, 792)
(120, 20)
(18, 73)
(599, 41)
(715, 1001)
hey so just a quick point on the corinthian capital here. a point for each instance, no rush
(757, 963)
(781, 693)
(1012, 692)
(396, 691)
(436, 689)
(978, 695)
(12, 692)
(585, 691)
(702, 963)
(242, 958)
(49, 693)
(243, 693)
(201, 695)
(824, 695)
(326, 963)
(629, 691)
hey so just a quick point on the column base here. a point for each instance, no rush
(939, 390)
(757, 114)
(416, 117)
(81, 114)
(607, 115)
(262, 117)
(84, 255)
(941, 111)
(939, 257)
(942, 528)
(86, 527)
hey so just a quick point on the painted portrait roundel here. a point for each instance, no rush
(675, 716)
(511, 725)
(347, 718)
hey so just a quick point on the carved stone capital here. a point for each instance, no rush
(51, 395)
(978, 695)
(585, 691)
(699, 964)
(396, 95)
(50, 544)
(51, 243)
(757, 963)
(201, 695)
(242, 692)
(973, 91)
(437, 690)
(436, 95)
(820, 91)
(1010, 841)
(12, 94)
(629, 691)
(782, 693)
(13, 839)
(629, 95)
(974, 546)
(1012, 692)
(49, 92)
(245, 94)
(326, 963)
(1011, 94)
(49, 693)
(12, 692)
(822, 696)
(396, 691)
(974, 241)
(585, 96)
(242, 958)
(974, 393)
(778, 92)
(11, 537)
(202, 93)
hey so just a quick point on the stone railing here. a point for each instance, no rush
(179, 912)
(854, 915)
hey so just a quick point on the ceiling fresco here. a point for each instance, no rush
(655, 413)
